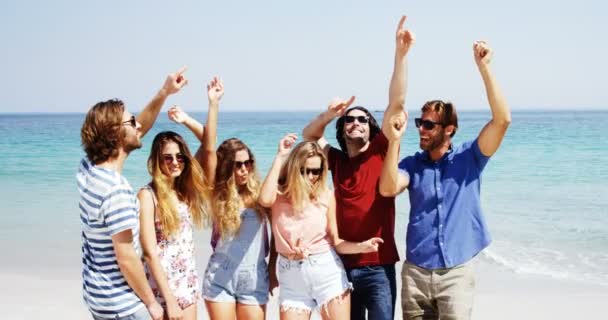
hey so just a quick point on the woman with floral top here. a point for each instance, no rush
(177, 198)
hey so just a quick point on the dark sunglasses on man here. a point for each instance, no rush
(426, 124)
(132, 122)
(360, 119)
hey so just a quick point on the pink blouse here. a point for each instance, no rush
(309, 225)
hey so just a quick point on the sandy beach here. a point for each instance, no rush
(55, 293)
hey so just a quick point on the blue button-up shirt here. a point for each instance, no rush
(446, 226)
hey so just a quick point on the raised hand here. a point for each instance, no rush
(215, 90)
(175, 81)
(397, 125)
(177, 115)
(482, 53)
(337, 106)
(286, 144)
(370, 245)
(404, 39)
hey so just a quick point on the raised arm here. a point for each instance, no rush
(147, 237)
(270, 186)
(177, 115)
(206, 153)
(315, 129)
(404, 39)
(493, 132)
(343, 246)
(392, 182)
(173, 84)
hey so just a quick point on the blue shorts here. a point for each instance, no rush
(226, 282)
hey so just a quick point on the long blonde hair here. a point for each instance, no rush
(227, 200)
(294, 184)
(191, 186)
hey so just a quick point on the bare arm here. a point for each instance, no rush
(397, 89)
(343, 246)
(270, 186)
(206, 154)
(177, 115)
(392, 182)
(133, 271)
(147, 237)
(173, 84)
(494, 131)
(315, 129)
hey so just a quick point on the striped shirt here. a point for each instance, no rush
(108, 206)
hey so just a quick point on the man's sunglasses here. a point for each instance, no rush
(360, 119)
(168, 158)
(314, 171)
(426, 124)
(131, 122)
(246, 163)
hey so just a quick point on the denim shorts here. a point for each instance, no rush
(244, 283)
(311, 282)
(237, 270)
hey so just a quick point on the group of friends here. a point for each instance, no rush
(331, 250)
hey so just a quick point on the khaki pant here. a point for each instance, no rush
(445, 294)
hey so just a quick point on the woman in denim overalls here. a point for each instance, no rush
(236, 282)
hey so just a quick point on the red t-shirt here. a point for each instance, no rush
(361, 211)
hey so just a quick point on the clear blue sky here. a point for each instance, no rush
(296, 55)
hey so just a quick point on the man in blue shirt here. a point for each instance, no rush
(446, 226)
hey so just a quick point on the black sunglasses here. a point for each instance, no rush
(426, 124)
(314, 171)
(351, 119)
(246, 163)
(131, 122)
(168, 158)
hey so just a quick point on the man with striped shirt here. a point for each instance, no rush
(114, 282)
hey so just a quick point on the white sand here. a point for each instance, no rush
(56, 294)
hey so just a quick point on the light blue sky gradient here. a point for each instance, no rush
(60, 56)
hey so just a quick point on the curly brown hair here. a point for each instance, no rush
(102, 134)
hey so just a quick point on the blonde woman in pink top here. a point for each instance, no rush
(305, 234)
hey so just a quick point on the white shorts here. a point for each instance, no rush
(311, 282)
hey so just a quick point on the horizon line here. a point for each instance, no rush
(541, 109)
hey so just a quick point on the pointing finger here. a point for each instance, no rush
(181, 70)
(350, 101)
(401, 22)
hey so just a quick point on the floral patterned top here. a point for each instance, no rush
(177, 259)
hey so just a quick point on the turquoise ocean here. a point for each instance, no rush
(544, 193)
